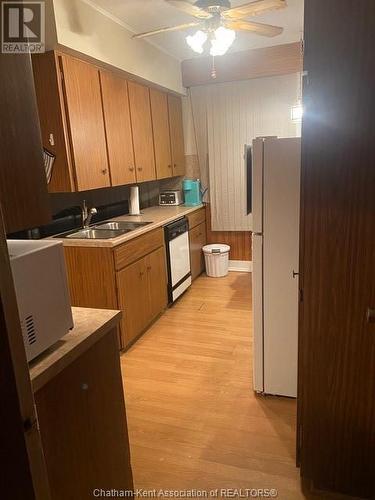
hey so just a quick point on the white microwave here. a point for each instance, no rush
(40, 282)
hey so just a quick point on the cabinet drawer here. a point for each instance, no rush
(197, 217)
(137, 248)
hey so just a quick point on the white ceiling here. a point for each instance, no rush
(147, 15)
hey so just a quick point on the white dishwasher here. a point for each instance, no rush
(178, 257)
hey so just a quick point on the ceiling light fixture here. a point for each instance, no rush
(221, 41)
(197, 41)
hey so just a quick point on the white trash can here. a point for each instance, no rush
(217, 260)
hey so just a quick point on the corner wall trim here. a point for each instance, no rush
(245, 266)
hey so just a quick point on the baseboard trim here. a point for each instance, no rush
(244, 266)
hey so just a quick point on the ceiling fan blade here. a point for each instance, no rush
(257, 28)
(190, 9)
(164, 30)
(253, 9)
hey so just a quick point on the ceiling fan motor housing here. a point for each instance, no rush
(213, 5)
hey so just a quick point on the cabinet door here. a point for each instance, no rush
(160, 126)
(157, 282)
(140, 110)
(23, 186)
(197, 237)
(133, 296)
(177, 134)
(86, 125)
(82, 420)
(118, 128)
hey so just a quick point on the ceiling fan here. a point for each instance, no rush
(218, 22)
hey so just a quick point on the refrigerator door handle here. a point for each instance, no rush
(257, 234)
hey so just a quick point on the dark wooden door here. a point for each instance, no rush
(23, 185)
(337, 341)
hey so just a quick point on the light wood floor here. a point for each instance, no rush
(194, 421)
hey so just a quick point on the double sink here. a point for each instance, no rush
(104, 231)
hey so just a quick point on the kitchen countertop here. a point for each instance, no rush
(90, 325)
(159, 216)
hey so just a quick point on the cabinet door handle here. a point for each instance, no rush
(131, 169)
(140, 169)
(169, 166)
(141, 273)
(149, 268)
(370, 315)
(104, 171)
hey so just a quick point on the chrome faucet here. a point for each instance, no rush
(87, 214)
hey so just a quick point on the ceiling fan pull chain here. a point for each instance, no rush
(213, 72)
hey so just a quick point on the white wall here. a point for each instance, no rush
(234, 114)
(83, 27)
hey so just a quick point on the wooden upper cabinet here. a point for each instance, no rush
(160, 126)
(118, 128)
(51, 108)
(23, 186)
(176, 134)
(140, 110)
(86, 124)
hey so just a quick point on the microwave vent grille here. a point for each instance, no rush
(28, 327)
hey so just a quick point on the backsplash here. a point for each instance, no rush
(149, 195)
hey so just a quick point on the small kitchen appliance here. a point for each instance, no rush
(40, 282)
(172, 198)
(192, 192)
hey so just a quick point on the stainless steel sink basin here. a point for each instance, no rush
(94, 234)
(121, 225)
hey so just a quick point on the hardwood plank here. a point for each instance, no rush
(193, 418)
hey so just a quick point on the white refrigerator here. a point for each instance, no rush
(275, 238)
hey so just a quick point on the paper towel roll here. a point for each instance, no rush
(134, 201)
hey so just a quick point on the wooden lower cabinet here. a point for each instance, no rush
(142, 292)
(82, 421)
(197, 239)
(133, 298)
(131, 277)
(157, 282)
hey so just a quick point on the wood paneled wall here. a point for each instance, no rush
(244, 65)
(239, 241)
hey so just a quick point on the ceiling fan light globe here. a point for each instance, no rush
(222, 41)
(197, 41)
